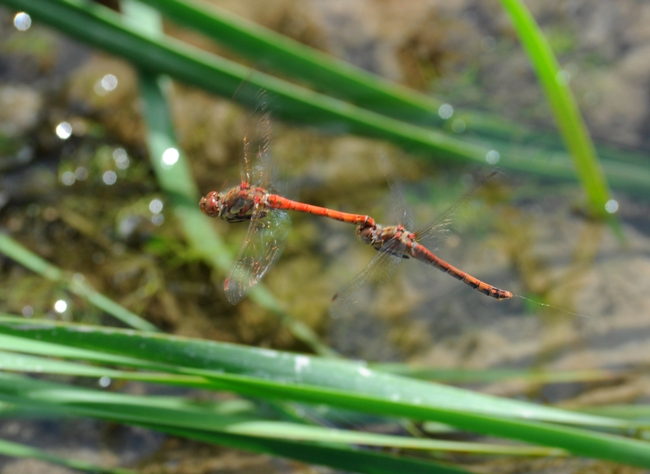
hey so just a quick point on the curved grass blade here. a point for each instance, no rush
(72, 283)
(497, 375)
(338, 457)
(352, 386)
(187, 413)
(563, 105)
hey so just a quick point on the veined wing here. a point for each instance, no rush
(351, 298)
(431, 233)
(265, 241)
(257, 143)
(399, 209)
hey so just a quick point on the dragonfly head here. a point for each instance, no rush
(212, 204)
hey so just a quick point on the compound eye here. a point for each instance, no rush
(210, 204)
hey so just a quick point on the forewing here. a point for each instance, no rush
(258, 142)
(400, 210)
(358, 292)
(265, 241)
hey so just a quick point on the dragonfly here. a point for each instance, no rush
(396, 243)
(254, 200)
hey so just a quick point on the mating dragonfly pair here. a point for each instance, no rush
(269, 228)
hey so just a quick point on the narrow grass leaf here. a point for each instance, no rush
(339, 457)
(72, 283)
(253, 372)
(188, 413)
(495, 375)
(562, 104)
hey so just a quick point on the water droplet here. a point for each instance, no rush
(492, 157)
(78, 278)
(68, 178)
(170, 157)
(365, 372)
(104, 381)
(300, 363)
(22, 21)
(611, 206)
(109, 178)
(445, 111)
(109, 82)
(458, 126)
(157, 219)
(121, 158)
(64, 130)
(81, 173)
(156, 206)
(563, 77)
(60, 306)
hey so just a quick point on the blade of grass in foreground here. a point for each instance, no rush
(75, 283)
(338, 457)
(187, 413)
(562, 103)
(495, 375)
(176, 180)
(103, 28)
(276, 375)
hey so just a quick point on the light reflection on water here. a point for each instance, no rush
(22, 21)
(63, 130)
(109, 178)
(611, 206)
(60, 306)
(445, 111)
(121, 158)
(170, 157)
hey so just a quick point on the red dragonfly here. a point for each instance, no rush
(253, 201)
(396, 243)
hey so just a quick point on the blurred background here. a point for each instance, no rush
(77, 188)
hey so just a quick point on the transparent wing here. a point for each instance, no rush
(265, 241)
(358, 292)
(257, 143)
(430, 234)
(399, 211)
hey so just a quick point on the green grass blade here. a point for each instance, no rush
(269, 49)
(178, 184)
(72, 283)
(496, 375)
(187, 413)
(8, 448)
(271, 374)
(562, 104)
(338, 457)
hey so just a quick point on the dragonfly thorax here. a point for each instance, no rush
(378, 235)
